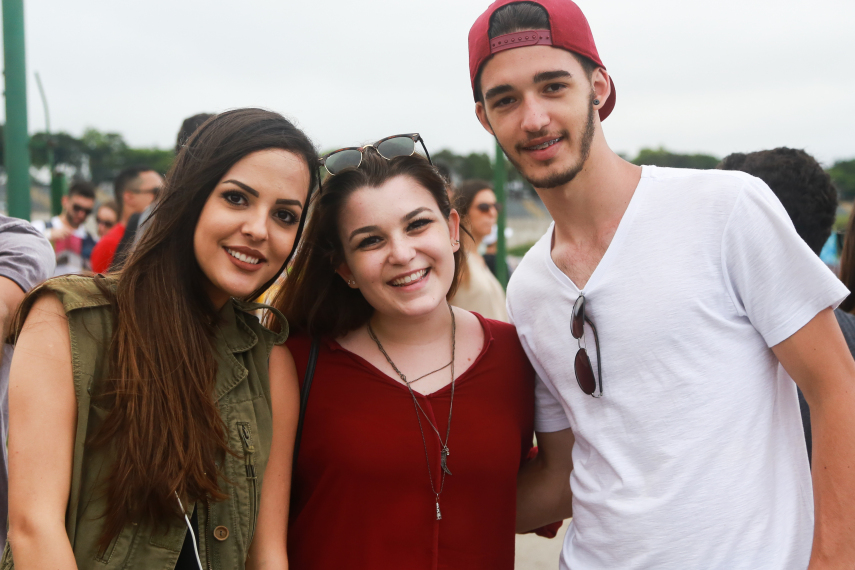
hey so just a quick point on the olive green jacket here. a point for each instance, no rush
(242, 392)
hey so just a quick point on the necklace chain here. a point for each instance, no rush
(444, 453)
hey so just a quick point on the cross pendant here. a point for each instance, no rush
(443, 458)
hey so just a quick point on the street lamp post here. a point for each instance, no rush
(17, 151)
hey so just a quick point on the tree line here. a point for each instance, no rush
(102, 155)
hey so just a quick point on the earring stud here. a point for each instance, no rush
(596, 101)
(351, 282)
(455, 242)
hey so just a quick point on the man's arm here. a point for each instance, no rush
(817, 358)
(543, 484)
(11, 296)
(26, 259)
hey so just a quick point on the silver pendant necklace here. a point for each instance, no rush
(444, 453)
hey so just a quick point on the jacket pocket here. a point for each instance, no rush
(245, 433)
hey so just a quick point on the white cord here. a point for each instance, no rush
(190, 528)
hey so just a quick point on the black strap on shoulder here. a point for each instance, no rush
(304, 395)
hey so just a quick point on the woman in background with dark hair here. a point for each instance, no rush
(479, 289)
(419, 414)
(145, 394)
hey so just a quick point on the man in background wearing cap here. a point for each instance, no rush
(690, 454)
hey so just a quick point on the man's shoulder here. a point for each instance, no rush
(693, 180)
(709, 194)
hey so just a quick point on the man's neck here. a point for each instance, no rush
(594, 202)
(63, 219)
(126, 215)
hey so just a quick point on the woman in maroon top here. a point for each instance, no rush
(419, 414)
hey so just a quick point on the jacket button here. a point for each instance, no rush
(221, 533)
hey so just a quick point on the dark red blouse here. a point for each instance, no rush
(361, 496)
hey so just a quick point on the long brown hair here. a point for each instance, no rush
(164, 426)
(314, 299)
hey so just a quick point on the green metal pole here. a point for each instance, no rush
(499, 177)
(58, 189)
(17, 139)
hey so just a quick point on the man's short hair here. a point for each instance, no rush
(521, 17)
(802, 186)
(188, 127)
(125, 181)
(82, 188)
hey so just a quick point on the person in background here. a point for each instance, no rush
(66, 232)
(135, 187)
(136, 223)
(847, 265)
(26, 259)
(479, 290)
(149, 401)
(809, 197)
(106, 217)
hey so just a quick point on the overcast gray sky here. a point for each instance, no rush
(717, 77)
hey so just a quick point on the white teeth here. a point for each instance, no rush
(544, 145)
(410, 278)
(243, 257)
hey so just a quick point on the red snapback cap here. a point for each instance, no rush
(568, 30)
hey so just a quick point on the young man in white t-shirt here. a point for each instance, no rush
(707, 305)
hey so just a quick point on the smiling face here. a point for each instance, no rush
(249, 223)
(539, 103)
(398, 247)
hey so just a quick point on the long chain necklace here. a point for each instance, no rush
(444, 453)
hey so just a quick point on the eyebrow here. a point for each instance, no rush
(550, 75)
(254, 192)
(369, 229)
(538, 78)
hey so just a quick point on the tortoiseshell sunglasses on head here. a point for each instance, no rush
(389, 148)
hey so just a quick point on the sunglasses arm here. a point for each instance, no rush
(427, 154)
(599, 360)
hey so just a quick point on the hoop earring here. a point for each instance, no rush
(455, 242)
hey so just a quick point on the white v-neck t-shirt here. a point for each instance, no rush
(694, 457)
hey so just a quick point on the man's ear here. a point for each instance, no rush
(601, 86)
(345, 273)
(481, 113)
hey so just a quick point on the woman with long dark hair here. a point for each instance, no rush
(152, 400)
(419, 413)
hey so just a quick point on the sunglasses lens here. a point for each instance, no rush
(577, 322)
(345, 159)
(584, 372)
(398, 146)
